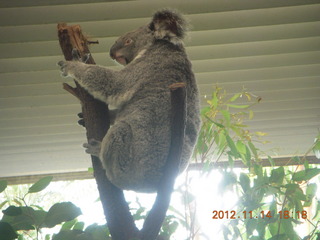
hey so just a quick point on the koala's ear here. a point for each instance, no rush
(168, 25)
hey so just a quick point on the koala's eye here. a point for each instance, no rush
(128, 41)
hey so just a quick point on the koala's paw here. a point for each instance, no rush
(77, 57)
(64, 68)
(93, 147)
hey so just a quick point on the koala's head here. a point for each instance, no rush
(166, 25)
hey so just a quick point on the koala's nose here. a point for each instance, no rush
(112, 55)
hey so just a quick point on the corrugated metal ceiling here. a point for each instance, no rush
(270, 47)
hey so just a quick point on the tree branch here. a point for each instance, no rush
(95, 113)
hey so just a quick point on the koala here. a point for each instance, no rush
(136, 147)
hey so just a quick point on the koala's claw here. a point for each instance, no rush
(75, 54)
(93, 147)
(86, 57)
(63, 65)
(77, 57)
(81, 120)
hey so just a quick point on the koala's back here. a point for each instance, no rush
(148, 118)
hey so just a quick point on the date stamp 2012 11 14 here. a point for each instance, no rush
(285, 214)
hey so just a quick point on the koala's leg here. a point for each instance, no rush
(116, 153)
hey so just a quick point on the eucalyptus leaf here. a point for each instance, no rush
(238, 106)
(235, 97)
(244, 182)
(253, 149)
(227, 117)
(232, 146)
(306, 175)
(40, 185)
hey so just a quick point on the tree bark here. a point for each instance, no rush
(95, 113)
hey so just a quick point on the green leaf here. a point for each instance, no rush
(26, 220)
(7, 232)
(287, 226)
(227, 117)
(277, 175)
(244, 182)
(71, 235)
(205, 110)
(238, 106)
(295, 192)
(217, 124)
(279, 237)
(231, 161)
(61, 212)
(306, 175)
(232, 146)
(12, 211)
(68, 225)
(79, 226)
(241, 147)
(98, 232)
(38, 217)
(251, 114)
(235, 97)
(3, 185)
(40, 185)
(310, 193)
(214, 100)
(253, 149)
(251, 225)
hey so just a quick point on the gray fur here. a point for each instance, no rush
(135, 149)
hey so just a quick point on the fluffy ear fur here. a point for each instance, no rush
(168, 25)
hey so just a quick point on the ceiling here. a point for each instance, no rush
(270, 47)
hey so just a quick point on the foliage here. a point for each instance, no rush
(24, 220)
(272, 201)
